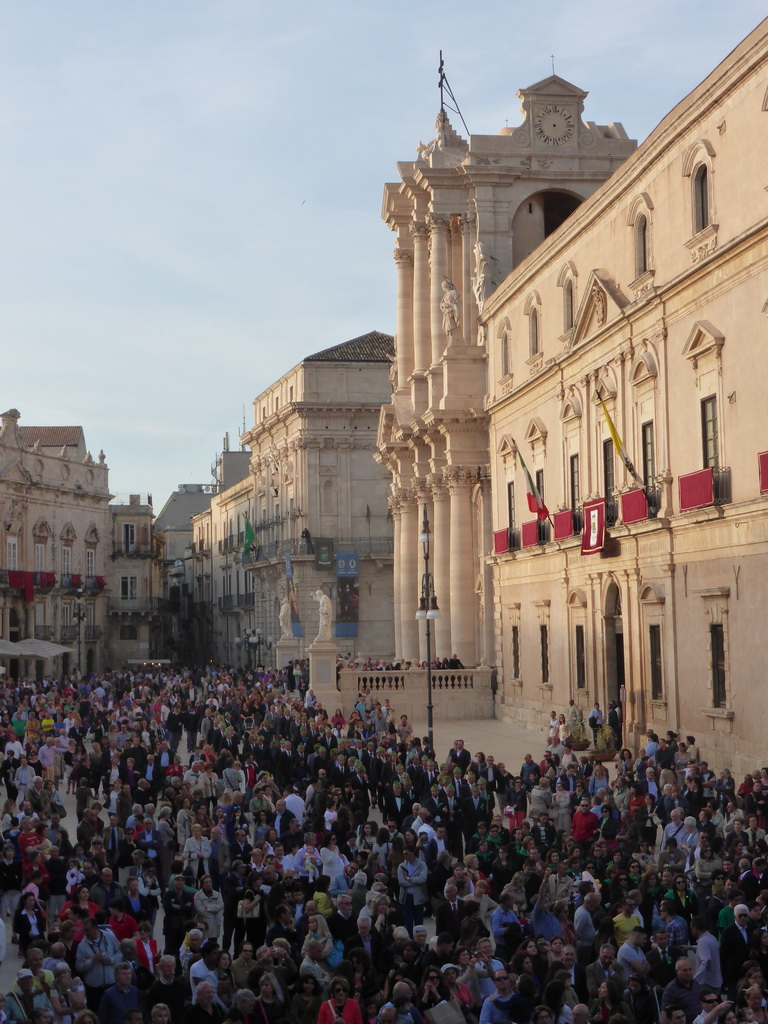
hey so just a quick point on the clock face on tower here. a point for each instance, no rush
(554, 124)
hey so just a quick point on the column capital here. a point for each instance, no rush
(438, 221)
(458, 479)
(403, 257)
(419, 230)
(468, 221)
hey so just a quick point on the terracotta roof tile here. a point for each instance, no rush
(373, 347)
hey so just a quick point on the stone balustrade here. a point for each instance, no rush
(456, 693)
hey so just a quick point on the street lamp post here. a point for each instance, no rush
(428, 611)
(79, 613)
(256, 641)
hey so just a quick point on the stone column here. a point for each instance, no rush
(408, 568)
(422, 350)
(462, 571)
(438, 269)
(469, 306)
(404, 339)
(395, 508)
(441, 566)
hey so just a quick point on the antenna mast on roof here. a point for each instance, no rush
(445, 89)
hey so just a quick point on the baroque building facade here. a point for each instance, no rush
(308, 494)
(465, 213)
(649, 584)
(54, 556)
(641, 300)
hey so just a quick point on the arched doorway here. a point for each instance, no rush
(89, 662)
(614, 644)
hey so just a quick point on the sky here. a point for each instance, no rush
(190, 192)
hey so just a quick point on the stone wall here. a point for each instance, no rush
(456, 693)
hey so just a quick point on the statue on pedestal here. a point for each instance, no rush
(324, 627)
(286, 632)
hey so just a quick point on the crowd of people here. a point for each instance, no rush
(205, 847)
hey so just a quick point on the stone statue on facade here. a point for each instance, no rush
(481, 282)
(449, 306)
(324, 625)
(286, 632)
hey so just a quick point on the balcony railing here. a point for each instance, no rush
(92, 632)
(611, 511)
(132, 551)
(67, 634)
(722, 480)
(141, 605)
(276, 549)
(246, 600)
(705, 487)
(3, 577)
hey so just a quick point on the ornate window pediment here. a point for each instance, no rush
(68, 533)
(92, 535)
(41, 531)
(506, 447)
(703, 340)
(602, 303)
(536, 433)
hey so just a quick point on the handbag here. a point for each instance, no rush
(249, 915)
(336, 955)
(60, 809)
(445, 1013)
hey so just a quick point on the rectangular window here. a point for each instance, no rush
(511, 506)
(39, 614)
(544, 641)
(90, 615)
(654, 654)
(12, 553)
(581, 668)
(66, 615)
(648, 453)
(717, 643)
(515, 652)
(39, 557)
(90, 561)
(575, 482)
(609, 478)
(540, 482)
(129, 587)
(66, 559)
(709, 441)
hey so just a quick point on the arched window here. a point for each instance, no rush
(701, 198)
(505, 354)
(641, 245)
(533, 332)
(568, 305)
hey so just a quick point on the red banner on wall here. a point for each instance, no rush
(593, 534)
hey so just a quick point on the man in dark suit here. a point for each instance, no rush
(578, 973)
(396, 807)
(367, 938)
(451, 913)
(459, 756)
(734, 948)
(662, 958)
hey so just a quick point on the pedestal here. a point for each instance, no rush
(323, 655)
(287, 650)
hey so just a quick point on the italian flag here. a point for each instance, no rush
(535, 500)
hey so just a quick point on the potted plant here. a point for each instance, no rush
(605, 749)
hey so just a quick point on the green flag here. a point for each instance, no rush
(250, 537)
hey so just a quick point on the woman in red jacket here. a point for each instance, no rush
(340, 1005)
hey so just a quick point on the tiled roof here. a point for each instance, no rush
(373, 347)
(51, 437)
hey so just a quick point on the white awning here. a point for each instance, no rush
(32, 648)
